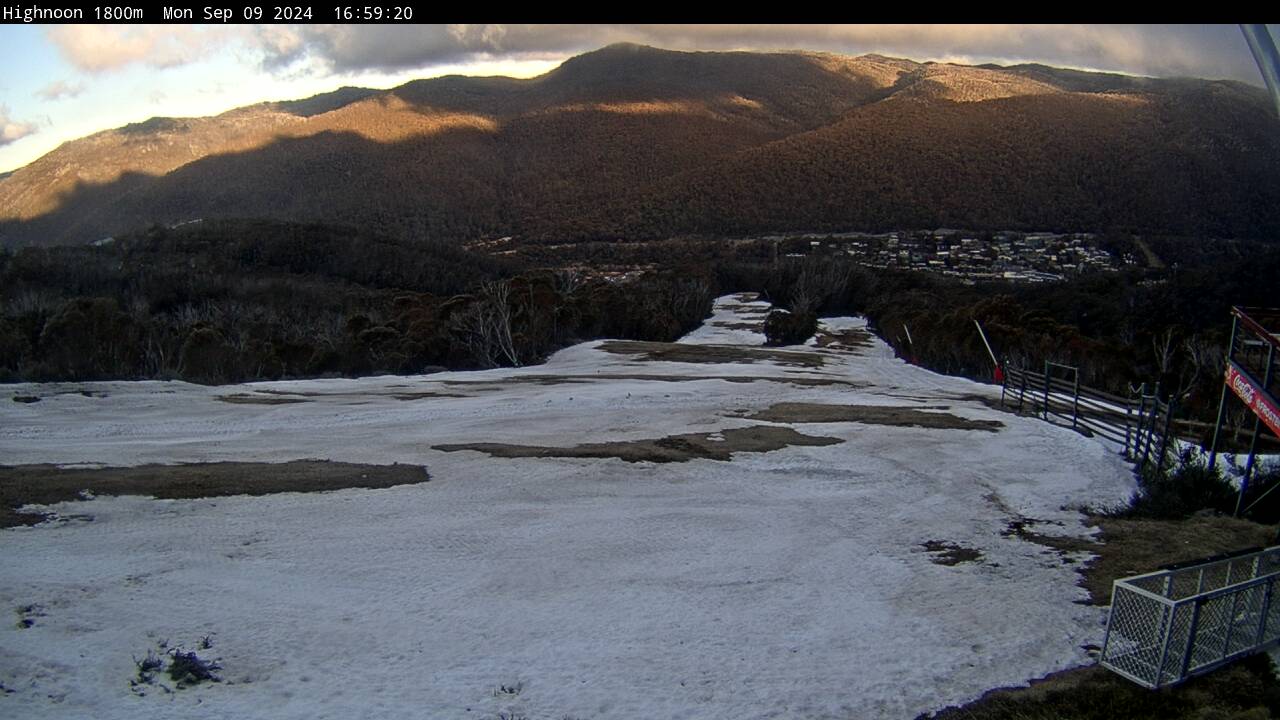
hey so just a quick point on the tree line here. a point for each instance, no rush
(233, 301)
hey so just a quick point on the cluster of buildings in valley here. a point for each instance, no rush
(1017, 256)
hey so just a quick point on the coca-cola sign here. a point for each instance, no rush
(1243, 385)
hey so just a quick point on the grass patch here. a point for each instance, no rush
(680, 352)
(47, 484)
(610, 377)
(951, 554)
(675, 448)
(848, 339)
(1246, 690)
(185, 668)
(243, 399)
(927, 417)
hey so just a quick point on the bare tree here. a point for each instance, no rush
(485, 326)
(1164, 347)
(1203, 358)
(815, 285)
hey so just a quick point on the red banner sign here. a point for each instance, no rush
(1242, 384)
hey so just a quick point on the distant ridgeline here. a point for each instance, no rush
(631, 142)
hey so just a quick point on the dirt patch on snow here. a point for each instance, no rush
(850, 339)
(46, 484)
(580, 379)
(675, 448)
(991, 402)
(947, 553)
(678, 352)
(1134, 546)
(928, 416)
(243, 399)
(756, 326)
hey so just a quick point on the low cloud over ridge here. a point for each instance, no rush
(1213, 51)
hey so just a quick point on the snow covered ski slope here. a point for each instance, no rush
(632, 530)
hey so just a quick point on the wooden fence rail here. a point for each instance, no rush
(1142, 425)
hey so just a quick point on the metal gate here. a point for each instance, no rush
(1173, 624)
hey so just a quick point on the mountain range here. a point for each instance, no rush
(631, 142)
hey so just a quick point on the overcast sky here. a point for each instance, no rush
(62, 82)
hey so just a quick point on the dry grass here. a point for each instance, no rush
(46, 484)
(679, 352)
(610, 377)
(851, 339)
(924, 417)
(1131, 546)
(243, 399)
(949, 553)
(1246, 690)
(675, 448)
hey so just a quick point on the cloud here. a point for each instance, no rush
(1162, 50)
(59, 89)
(11, 130)
(1205, 51)
(103, 48)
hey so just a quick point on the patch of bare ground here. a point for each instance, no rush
(751, 313)
(990, 402)
(358, 395)
(580, 379)
(756, 326)
(1133, 546)
(675, 448)
(850, 339)
(678, 352)
(243, 399)
(948, 553)
(926, 417)
(46, 484)
(1245, 690)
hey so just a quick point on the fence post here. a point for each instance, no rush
(1129, 453)
(1153, 412)
(1257, 426)
(1262, 619)
(1046, 390)
(1022, 391)
(1164, 434)
(1222, 398)
(1191, 634)
(1075, 401)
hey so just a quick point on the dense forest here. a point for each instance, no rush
(227, 301)
(219, 302)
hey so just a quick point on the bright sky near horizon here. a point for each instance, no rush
(61, 82)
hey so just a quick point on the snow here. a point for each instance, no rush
(791, 583)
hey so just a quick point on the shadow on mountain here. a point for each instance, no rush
(631, 142)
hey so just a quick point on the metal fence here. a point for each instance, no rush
(1173, 624)
(1141, 424)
